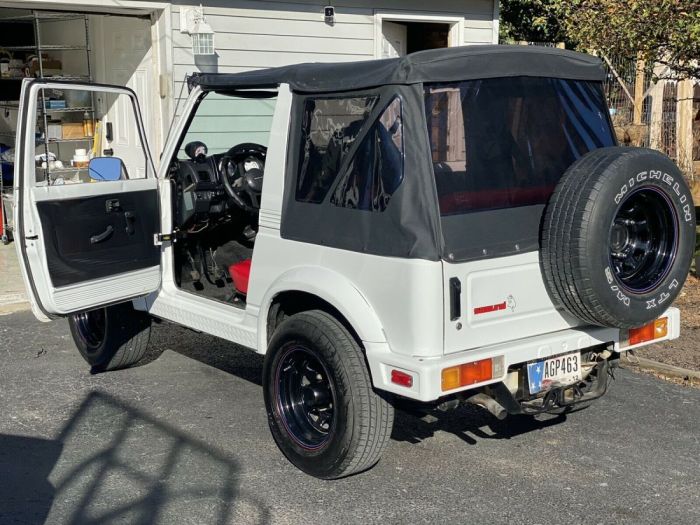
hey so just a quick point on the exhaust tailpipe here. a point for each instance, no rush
(489, 404)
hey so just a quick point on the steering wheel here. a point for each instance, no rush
(241, 171)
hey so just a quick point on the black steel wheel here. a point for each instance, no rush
(643, 239)
(617, 237)
(112, 337)
(90, 328)
(305, 397)
(322, 410)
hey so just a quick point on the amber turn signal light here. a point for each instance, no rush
(471, 373)
(654, 330)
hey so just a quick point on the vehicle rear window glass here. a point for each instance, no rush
(329, 128)
(376, 169)
(506, 142)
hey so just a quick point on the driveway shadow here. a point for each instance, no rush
(113, 462)
(25, 464)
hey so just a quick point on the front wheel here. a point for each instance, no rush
(111, 338)
(322, 410)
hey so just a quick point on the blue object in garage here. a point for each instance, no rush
(6, 167)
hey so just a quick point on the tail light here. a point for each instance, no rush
(654, 330)
(472, 373)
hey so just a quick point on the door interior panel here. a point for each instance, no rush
(93, 237)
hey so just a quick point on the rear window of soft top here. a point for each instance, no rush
(506, 142)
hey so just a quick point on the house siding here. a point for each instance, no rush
(259, 34)
(256, 34)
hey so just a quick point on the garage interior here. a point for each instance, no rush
(68, 45)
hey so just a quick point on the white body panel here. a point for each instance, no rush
(513, 286)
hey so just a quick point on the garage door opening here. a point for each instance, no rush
(82, 47)
(402, 37)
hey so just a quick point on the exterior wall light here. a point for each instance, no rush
(192, 21)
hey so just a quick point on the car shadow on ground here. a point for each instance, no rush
(211, 351)
(98, 470)
(469, 423)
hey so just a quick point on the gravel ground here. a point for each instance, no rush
(684, 351)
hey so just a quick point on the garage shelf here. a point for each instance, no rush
(61, 141)
(44, 16)
(47, 47)
(70, 110)
(12, 86)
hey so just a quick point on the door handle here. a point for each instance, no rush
(455, 299)
(102, 236)
(129, 217)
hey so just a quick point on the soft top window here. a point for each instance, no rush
(376, 169)
(329, 128)
(506, 142)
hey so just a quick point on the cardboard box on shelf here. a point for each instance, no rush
(47, 64)
(72, 130)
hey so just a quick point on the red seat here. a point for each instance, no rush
(240, 273)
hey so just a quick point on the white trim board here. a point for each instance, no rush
(122, 7)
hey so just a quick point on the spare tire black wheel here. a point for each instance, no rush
(618, 236)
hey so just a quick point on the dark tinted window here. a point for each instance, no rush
(329, 127)
(506, 142)
(376, 169)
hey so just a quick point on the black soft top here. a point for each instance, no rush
(434, 65)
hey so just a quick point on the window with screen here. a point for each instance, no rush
(376, 169)
(506, 142)
(329, 127)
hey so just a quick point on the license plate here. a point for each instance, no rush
(555, 371)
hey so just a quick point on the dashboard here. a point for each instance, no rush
(200, 192)
(209, 187)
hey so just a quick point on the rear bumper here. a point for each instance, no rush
(426, 373)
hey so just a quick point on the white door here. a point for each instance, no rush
(88, 241)
(393, 40)
(123, 47)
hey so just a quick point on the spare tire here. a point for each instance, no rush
(617, 237)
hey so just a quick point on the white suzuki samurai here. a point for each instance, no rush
(457, 225)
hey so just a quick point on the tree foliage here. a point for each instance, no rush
(665, 31)
(530, 21)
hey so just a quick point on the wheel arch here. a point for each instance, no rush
(308, 288)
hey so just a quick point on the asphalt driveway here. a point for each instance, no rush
(183, 439)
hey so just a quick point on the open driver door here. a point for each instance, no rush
(86, 202)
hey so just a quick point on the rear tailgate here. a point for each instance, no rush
(501, 300)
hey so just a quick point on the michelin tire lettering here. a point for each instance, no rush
(661, 177)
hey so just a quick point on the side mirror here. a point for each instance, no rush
(106, 168)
